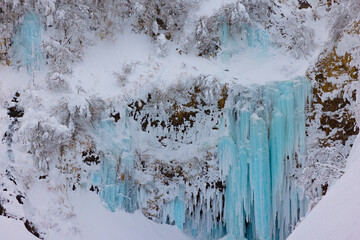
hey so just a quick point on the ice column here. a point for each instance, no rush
(251, 38)
(118, 189)
(26, 48)
(258, 156)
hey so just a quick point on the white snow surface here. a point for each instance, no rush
(337, 215)
(209, 7)
(103, 62)
(94, 222)
(11, 229)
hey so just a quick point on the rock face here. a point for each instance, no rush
(332, 116)
(334, 94)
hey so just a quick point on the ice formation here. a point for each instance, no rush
(251, 38)
(264, 144)
(260, 144)
(250, 193)
(116, 176)
(26, 46)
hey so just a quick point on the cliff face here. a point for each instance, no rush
(227, 118)
(332, 117)
(335, 76)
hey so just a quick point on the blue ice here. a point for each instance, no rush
(116, 176)
(263, 141)
(26, 47)
(174, 211)
(252, 38)
(257, 156)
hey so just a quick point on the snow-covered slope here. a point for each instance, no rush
(337, 215)
(96, 222)
(14, 230)
(93, 222)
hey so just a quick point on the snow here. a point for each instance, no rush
(133, 58)
(209, 7)
(12, 80)
(96, 222)
(89, 219)
(336, 216)
(12, 229)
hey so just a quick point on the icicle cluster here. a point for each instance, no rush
(251, 193)
(264, 145)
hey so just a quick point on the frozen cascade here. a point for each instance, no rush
(116, 176)
(260, 145)
(174, 211)
(198, 217)
(264, 144)
(252, 37)
(26, 47)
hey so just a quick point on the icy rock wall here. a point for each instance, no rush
(26, 48)
(261, 149)
(250, 192)
(264, 144)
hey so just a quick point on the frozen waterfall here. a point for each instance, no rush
(264, 145)
(26, 47)
(261, 145)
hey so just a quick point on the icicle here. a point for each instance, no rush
(174, 211)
